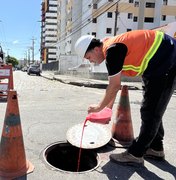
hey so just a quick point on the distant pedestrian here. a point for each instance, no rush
(1, 61)
(147, 53)
(1, 56)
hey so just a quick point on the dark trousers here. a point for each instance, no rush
(157, 93)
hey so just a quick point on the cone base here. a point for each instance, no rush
(25, 170)
(122, 131)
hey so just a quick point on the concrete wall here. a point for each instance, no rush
(67, 62)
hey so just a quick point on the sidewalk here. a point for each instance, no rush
(93, 83)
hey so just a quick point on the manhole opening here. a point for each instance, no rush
(64, 156)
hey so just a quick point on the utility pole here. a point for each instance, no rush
(141, 14)
(7, 56)
(29, 56)
(33, 42)
(116, 15)
(25, 57)
(8, 52)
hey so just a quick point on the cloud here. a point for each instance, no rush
(15, 42)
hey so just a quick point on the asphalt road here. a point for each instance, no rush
(48, 108)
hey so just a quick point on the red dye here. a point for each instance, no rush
(79, 156)
(104, 116)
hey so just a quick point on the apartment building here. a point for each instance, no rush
(49, 31)
(115, 17)
(103, 18)
(69, 30)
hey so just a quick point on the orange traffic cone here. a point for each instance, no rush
(122, 129)
(13, 161)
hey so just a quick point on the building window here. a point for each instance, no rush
(163, 17)
(108, 30)
(110, 0)
(53, 11)
(94, 20)
(130, 15)
(129, 30)
(109, 14)
(150, 5)
(94, 6)
(148, 19)
(94, 34)
(165, 2)
(131, 1)
(136, 4)
(135, 18)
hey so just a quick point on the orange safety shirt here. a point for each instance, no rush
(141, 44)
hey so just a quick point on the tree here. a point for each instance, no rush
(12, 60)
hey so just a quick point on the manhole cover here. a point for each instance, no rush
(95, 135)
(64, 157)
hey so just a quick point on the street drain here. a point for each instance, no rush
(64, 157)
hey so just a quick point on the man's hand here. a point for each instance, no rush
(102, 117)
(93, 108)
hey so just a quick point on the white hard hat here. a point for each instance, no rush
(82, 44)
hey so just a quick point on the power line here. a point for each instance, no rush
(83, 23)
(32, 48)
(81, 26)
(63, 33)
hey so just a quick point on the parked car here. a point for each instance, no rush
(24, 69)
(34, 69)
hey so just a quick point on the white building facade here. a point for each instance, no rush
(49, 31)
(103, 18)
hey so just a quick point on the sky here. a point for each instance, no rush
(19, 24)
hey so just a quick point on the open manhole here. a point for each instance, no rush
(64, 157)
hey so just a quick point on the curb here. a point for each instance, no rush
(84, 82)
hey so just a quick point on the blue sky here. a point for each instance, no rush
(19, 25)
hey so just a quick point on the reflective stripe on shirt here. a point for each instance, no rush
(140, 69)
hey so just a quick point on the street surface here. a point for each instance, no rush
(48, 108)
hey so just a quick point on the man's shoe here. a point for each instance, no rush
(153, 154)
(127, 159)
